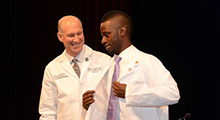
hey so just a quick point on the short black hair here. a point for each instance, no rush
(115, 13)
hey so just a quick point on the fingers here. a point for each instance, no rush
(115, 92)
(88, 98)
(88, 92)
(115, 88)
(87, 103)
(88, 95)
(115, 85)
(119, 89)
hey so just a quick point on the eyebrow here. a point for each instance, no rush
(75, 33)
(105, 33)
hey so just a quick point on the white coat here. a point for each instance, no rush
(150, 89)
(61, 94)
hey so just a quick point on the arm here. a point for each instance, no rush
(160, 88)
(48, 104)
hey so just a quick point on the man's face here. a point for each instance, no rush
(110, 38)
(72, 38)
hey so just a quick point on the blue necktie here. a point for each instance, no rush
(112, 107)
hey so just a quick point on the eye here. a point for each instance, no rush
(106, 34)
(71, 35)
(79, 33)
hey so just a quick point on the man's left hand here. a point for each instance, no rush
(119, 89)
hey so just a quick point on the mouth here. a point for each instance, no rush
(107, 47)
(75, 44)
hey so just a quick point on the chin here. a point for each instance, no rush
(77, 49)
(111, 52)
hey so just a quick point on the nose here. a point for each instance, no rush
(76, 38)
(103, 41)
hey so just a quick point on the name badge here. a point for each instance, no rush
(60, 76)
(95, 69)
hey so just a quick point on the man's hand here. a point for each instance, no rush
(119, 89)
(88, 98)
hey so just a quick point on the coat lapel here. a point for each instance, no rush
(110, 74)
(133, 62)
(86, 61)
(85, 65)
(66, 65)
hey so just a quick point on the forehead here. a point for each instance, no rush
(69, 23)
(71, 27)
(108, 25)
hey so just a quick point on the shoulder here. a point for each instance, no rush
(140, 54)
(146, 58)
(96, 54)
(55, 61)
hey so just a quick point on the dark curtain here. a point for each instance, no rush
(33, 43)
(181, 33)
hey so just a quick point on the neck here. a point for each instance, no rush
(72, 54)
(124, 46)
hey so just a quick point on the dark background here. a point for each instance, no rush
(183, 34)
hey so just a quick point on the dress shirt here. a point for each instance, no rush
(122, 64)
(79, 57)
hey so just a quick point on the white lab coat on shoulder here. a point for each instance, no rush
(61, 94)
(150, 89)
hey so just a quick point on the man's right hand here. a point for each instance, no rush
(88, 98)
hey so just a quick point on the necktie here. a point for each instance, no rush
(112, 107)
(76, 67)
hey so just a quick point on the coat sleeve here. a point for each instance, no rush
(159, 88)
(48, 103)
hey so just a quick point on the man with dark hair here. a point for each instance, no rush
(139, 86)
(127, 20)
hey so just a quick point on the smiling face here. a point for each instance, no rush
(111, 37)
(71, 34)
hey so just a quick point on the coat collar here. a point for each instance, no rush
(86, 58)
(126, 53)
(132, 61)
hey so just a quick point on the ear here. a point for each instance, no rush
(60, 37)
(122, 31)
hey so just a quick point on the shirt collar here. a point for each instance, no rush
(79, 57)
(126, 53)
